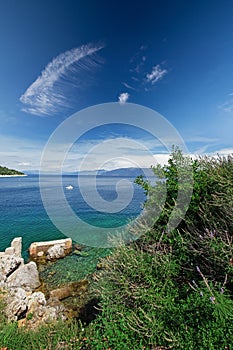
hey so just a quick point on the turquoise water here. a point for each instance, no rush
(73, 267)
(23, 213)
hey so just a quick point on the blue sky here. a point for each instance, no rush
(58, 57)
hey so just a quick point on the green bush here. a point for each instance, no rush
(172, 289)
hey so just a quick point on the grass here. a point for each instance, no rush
(169, 289)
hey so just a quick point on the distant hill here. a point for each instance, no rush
(125, 172)
(121, 172)
(5, 171)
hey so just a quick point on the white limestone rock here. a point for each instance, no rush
(16, 303)
(41, 312)
(35, 300)
(16, 244)
(2, 280)
(56, 252)
(9, 263)
(9, 251)
(26, 276)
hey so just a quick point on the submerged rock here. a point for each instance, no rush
(69, 289)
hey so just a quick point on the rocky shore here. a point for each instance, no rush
(21, 290)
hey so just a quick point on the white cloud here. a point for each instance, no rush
(19, 153)
(46, 95)
(227, 106)
(156, 74)
(198, 138)
(224, 151)
(24, 164)
(123, 98)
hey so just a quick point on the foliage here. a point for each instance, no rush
(5, 171)
(172, 289)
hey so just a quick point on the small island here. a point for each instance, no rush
(5, 172)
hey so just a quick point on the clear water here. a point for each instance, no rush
(23, 214)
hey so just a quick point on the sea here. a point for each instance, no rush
(23, 212)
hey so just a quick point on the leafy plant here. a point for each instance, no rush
(173, 288)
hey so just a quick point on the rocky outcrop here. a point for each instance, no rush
(26, 276)
(18, 282)
(50, 250)
(42, 311)
(32, 309)
(10, 261)
(16, 303)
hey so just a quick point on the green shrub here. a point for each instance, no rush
(173, 288)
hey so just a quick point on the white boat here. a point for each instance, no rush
(70, 187)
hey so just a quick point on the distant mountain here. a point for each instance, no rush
(121, 172)
(125, 172)
(91, 172)
(5, 171)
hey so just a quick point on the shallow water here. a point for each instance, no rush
(73, 267)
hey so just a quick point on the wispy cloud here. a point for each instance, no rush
(46, 95)
(19, 153)
(198, 138)
(227, 106)
(123, 98)
(128, 86)
(156, 74)
(143, 76)
(138, 61)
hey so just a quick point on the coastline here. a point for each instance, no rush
(13, 175)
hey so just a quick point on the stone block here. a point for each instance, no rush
(38, 247)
